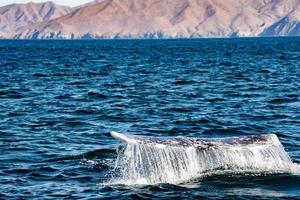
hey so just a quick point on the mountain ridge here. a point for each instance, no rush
(15, 16)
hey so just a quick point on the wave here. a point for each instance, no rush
(96, 95)
(98, 154)
(149, 161)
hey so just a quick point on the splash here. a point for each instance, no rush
(147, 160)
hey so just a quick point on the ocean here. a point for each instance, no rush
(59, 101)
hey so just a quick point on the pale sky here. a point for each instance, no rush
(62, 2)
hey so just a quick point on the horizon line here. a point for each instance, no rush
(111, 39)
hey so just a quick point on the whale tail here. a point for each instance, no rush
(152, 160)
(269, 139)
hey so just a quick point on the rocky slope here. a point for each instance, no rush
(15, 16)
(171, 19)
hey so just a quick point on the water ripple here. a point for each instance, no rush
(60, 99)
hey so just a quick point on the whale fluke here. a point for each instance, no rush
(152, 160)
(200, 143)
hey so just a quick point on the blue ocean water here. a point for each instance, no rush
(60, 99)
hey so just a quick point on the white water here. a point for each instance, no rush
(153, 163)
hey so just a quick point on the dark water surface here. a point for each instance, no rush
(60, 99)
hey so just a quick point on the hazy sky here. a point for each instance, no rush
(63, 2)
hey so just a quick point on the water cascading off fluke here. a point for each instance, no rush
(153, 160)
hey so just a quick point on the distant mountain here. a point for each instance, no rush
(168, 19)
(15, 16)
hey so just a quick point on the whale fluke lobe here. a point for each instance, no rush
(153, 160)
(121, 137)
